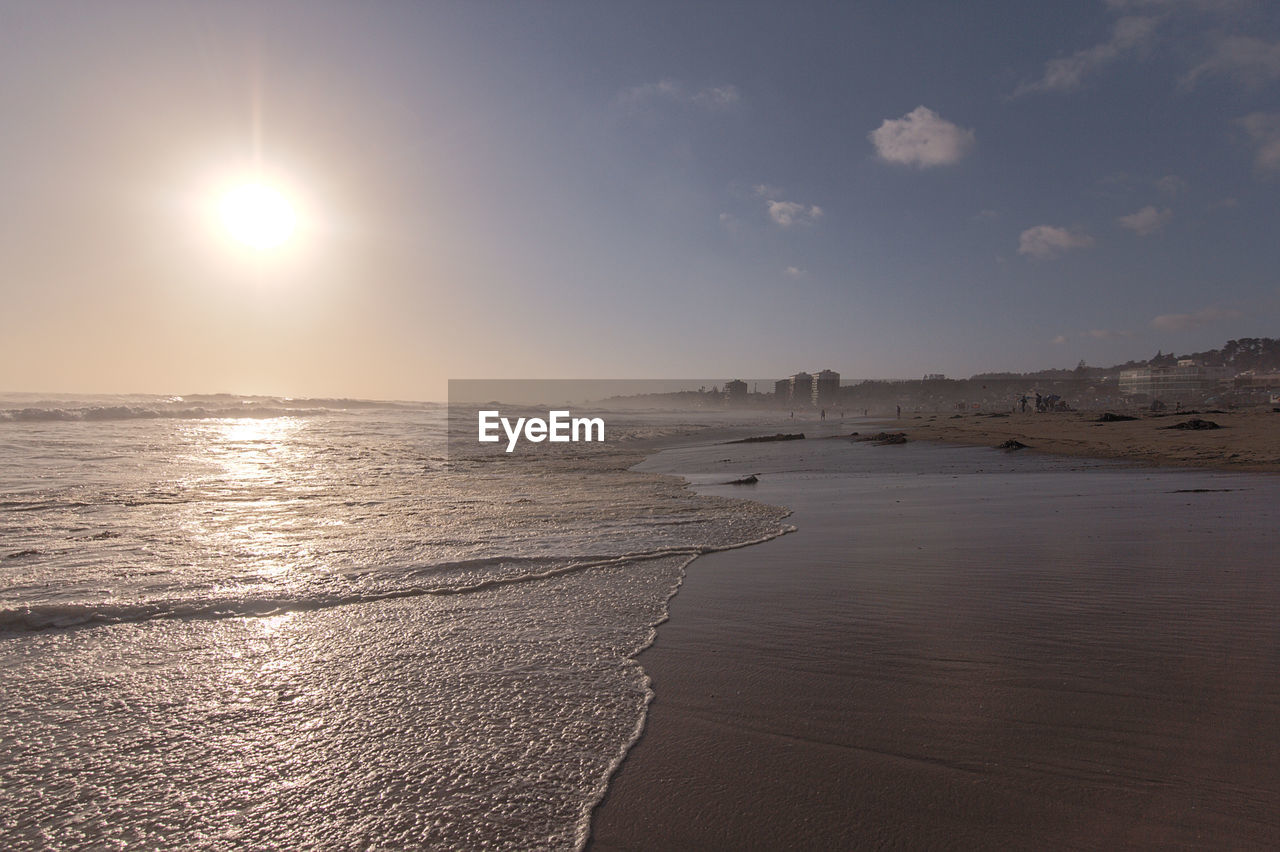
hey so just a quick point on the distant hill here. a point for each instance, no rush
(1261, 354)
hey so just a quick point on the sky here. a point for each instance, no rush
(629, 190)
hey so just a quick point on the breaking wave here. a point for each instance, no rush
(47, 616)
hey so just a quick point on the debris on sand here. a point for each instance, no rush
(760, 439)
(1012, 444)
(746, 480)
(1194, 423)
(882, 439)
(1114, 418)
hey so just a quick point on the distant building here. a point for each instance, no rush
(801, 389)
(826, 387)
(735, 392)
(935, 377)
(1257, 381)
(1184, 381)
(782, 391)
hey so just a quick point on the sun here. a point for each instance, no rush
(257, 215)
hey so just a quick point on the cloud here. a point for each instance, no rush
(1202, 317)
(1250, 61)
(1068, 73)
(921, 138)
(1059, 340)
(1212, 31)
(1045, 241)
(788, 213)
(1146, 221)
(716, 98)
(1264, 131)
(1171, 185)
(794, 272)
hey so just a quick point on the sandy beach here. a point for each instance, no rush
(967, 648)
(1248, 439)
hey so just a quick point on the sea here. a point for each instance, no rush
(232, 622)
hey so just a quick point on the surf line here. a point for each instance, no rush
(559, 427)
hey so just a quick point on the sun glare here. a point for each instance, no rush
(257, 215)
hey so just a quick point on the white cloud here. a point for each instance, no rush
(1207, 34)
(794, 272)
(921, 138)
(1059, 340)
(1202, 317)
(1248, 60)
(1264, 131)
(788, 213)
(1045, 241)
(1146, 221)
(1068, 73)
(717, 98)
(1171, 185)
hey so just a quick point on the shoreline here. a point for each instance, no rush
(835, 688)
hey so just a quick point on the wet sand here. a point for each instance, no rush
(1247, 440)
(980, 651)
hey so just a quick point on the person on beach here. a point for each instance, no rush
(899, 415)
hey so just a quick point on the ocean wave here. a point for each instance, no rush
(130, 412)
(52, 616)
(31, 408)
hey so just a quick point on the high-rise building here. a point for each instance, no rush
(826, 387)
(801, 389)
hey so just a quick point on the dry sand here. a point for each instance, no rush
(1248, 439)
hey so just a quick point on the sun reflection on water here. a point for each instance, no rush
(253, 476)
(253, 450)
